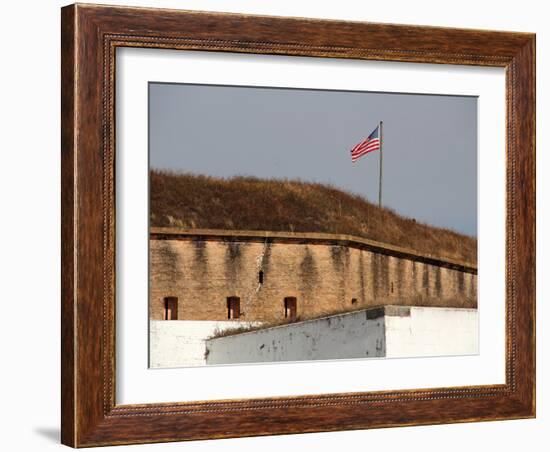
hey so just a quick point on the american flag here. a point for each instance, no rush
(371, 143)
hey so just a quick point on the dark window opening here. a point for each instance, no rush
(391, 287)
(261, 277)
(233, 307)
(354, 301)
(170, 308)
(290, 308)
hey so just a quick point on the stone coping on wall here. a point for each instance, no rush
(158, 233)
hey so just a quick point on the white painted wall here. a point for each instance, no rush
(420, 332)
(349, 335)
(181, 343)
(432, 332)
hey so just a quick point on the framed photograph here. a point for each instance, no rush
(281, 225)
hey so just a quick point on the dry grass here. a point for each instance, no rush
(238, 329)
(248, 203)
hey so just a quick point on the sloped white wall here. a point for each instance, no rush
(397, 332)
(401, 332)
(349, 335)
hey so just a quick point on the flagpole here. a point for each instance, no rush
(380, 178)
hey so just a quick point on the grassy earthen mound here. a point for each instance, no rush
(248, 203)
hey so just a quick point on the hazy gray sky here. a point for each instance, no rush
(429, 142)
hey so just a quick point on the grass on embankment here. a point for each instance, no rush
(248, 203)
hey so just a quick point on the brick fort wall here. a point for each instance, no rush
(325, 273)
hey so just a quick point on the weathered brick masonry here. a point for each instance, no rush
(325, 273)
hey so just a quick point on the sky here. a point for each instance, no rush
(429, 142)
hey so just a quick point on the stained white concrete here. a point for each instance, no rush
(350, 335)
(392, 332)
(389, 332)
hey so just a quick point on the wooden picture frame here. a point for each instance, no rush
(90, 36)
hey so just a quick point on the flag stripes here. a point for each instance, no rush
(370, 144)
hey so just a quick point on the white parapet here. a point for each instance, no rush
(432, 332)
(181, 343)
(389, 331)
